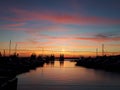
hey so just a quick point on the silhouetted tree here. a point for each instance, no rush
(33, 56)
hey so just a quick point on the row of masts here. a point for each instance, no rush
(10, 44)
(10, 48)
(103, 50)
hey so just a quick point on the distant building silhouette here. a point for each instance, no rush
(61, 57)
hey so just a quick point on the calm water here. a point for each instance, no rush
(66, 76)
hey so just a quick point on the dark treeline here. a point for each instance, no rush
(109, 63)
(13, 65)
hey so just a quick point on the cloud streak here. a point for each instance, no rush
(12, 25)
(54, 17)
(94, 38)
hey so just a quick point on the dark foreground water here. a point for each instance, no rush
(66, 76)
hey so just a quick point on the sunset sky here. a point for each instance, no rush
(60, 25)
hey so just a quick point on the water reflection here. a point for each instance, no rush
(54, 64)
(49, 64)
(69, 77)
(61, 63)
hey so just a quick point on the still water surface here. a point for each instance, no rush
(66, 76)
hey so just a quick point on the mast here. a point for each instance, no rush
(42, 51)
(10, 48)
(96, 52)
(16, 49)
(4, 53)
(102, 49)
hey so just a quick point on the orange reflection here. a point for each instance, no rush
(67, 74)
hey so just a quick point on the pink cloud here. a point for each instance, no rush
(34, 30)
(12, 25)
(99, 39)
(68, 38)
(114, 45)
(73, 37)
(54, 17)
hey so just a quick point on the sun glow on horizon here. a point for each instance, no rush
(45, 28)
